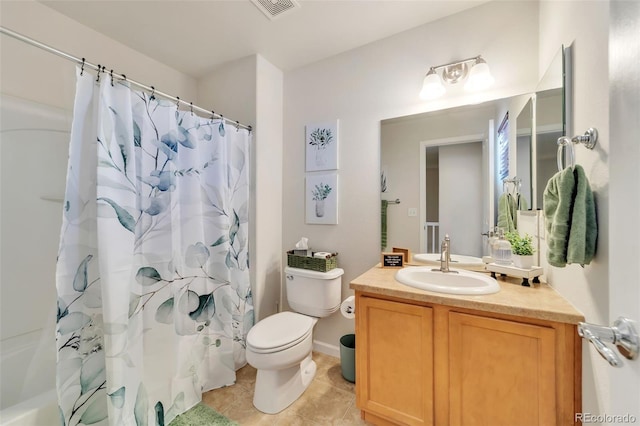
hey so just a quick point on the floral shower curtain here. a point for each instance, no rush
(154, 301)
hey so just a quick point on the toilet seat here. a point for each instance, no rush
(279, 332)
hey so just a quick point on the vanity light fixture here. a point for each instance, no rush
(432, 86)
(479, 77)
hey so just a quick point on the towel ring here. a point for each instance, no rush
(565, 142)
(589, 140)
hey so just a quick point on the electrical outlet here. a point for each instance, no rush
(413, 212)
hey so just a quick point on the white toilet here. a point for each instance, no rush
(279, 346)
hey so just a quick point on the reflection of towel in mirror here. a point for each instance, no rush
(383, 224)
(507, 207)
(570, 218)
(521, 203)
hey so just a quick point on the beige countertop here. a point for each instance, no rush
(538, 301)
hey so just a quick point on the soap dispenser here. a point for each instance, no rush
(501, 251)
(493, 237)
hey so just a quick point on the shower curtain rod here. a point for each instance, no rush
(122, 77)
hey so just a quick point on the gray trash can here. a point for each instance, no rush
(348, 357)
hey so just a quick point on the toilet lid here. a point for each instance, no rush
(279, 331)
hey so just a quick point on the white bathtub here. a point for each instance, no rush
(27, 377)
(41, 410)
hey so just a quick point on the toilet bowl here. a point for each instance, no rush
(280, 346)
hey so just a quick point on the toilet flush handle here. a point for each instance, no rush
(289, 277)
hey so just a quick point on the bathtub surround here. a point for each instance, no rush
(154, 244)
(28, 345)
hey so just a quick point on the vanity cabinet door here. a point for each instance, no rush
(394, 361)
(501, 372)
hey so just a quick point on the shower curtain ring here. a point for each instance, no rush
(178, 102)
(98, 78)
(153, 93)
(111, 74)
(213, 115)
(82, 67)
(237, 126)
(191, 107)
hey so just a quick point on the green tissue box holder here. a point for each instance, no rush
(312, 263)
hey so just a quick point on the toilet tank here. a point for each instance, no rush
(314, 293)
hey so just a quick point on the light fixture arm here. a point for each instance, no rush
(464, 61)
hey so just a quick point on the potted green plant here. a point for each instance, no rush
(522, 249)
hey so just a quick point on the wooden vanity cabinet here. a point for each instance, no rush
(421, 364)
(394, 361)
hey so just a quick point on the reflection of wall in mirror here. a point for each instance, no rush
(548, 130)
(461, 197)
(400, 154)
(523, 151)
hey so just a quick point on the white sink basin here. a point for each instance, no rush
(457, 261)
(462, 282)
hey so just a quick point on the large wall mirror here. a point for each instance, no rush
(443, 166)
(540, 123)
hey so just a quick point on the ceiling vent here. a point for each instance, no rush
(276, 8)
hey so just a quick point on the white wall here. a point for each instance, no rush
(250, 90)
(268, 180)
(231, 89)
(379, 81)
(585, 25)
(31, 73)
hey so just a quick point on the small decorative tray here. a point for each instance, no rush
(514, 271)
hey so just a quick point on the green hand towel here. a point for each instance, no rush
(570, 218)
(522, 203)
(584, 227)
(383, 224)
(507, 213)
(513, 209)
(557, 205)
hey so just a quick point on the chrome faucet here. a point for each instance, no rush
(445, 255)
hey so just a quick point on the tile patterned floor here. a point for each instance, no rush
(329, 400)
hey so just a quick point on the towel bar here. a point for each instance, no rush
(589, 140)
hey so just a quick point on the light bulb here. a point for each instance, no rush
(479, 76)
(432, 86)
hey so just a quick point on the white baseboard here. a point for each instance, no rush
(327, 349)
